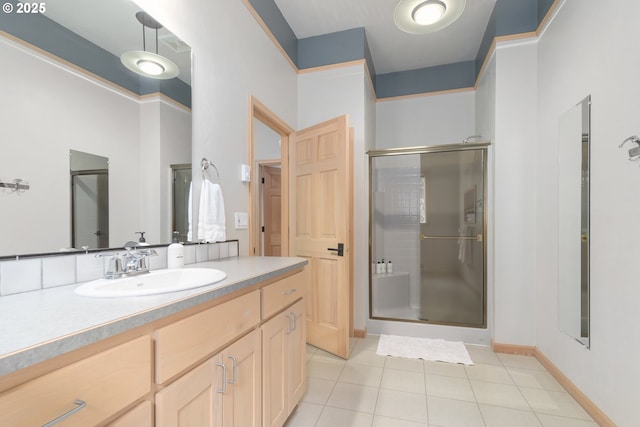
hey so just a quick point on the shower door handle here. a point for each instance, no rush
(477, 238)
(339, 249)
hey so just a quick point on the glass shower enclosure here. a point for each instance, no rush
(427, 234)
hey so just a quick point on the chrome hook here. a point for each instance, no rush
(634, 152)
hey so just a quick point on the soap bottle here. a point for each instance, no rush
(175, 253)
(389, 267)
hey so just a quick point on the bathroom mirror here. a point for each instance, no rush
(66, 89)
(573, 221)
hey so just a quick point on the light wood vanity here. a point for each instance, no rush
(236, 360)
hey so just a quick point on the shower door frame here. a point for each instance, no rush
(430, 149)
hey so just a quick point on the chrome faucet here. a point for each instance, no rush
(132, 263)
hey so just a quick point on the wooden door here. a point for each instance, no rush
(241, 402)
(271, 205)
(321, 191)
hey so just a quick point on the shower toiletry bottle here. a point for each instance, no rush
(389, 267)
(378, 268)
(384, 267)
(175, 252)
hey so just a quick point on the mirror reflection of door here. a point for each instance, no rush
(181, 182)
(271, 210)
(89, 200)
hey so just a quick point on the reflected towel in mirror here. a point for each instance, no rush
(211, 218)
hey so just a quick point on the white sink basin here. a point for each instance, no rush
(155, 282)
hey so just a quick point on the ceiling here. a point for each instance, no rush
(95, 20)
(391, 48)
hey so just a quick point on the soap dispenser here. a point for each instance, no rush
(175, 252)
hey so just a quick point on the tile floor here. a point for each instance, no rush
(377, 391)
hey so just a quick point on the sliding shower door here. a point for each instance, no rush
(428, 218)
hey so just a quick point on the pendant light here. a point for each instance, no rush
(145, 63)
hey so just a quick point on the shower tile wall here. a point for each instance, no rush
(397, 220)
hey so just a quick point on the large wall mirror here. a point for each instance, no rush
(65, 91)
(573, 221)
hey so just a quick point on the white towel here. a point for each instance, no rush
(211, 219)
(190, 213)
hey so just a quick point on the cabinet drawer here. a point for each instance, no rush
(189, 340)
(280, 294)
(107, 382)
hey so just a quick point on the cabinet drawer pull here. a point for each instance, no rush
(224, 378)
(290, 291)
(79, 405)
(235, 369)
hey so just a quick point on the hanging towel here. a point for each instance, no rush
(211, 219)
(190, 213)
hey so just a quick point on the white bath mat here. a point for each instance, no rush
(423, 348)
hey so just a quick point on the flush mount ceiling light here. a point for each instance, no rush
(145, 63)
(420, 16)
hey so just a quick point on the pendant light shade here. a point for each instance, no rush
(145, 63)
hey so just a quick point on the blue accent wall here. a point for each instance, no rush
(50, 36)
(279, 27)
(334, 48)
(516, 16)
(432, 79)
(543, 8)
(487, 40)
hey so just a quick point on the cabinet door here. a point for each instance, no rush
(296, 355)
(190, 401)
(241, 402)
(274, 367)
(284, 361)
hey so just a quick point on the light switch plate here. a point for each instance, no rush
(245, 173)
(241, 220)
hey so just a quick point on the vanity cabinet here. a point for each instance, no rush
(91, 390)
(237, 360)
(283, 344)
(223, 391)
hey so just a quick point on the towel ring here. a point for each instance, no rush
(204, 163)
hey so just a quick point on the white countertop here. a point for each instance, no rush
(39, 325)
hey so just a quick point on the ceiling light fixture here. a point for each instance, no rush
(429, 12)
(420, 16)
(145, 63)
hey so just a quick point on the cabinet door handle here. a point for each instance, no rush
(224, 378)
(289, 327)
(235, 369)
(290, 291)
(79, 405)
(292, 315)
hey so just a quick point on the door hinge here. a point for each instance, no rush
(262, 180)
(263, 228)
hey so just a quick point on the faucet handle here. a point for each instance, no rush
(115, 265)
